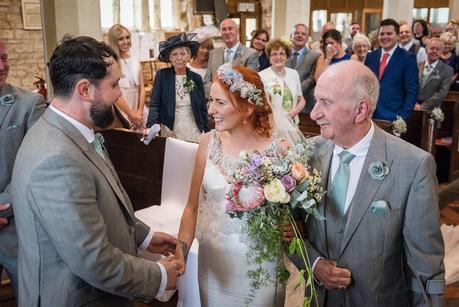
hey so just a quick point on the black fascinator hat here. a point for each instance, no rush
(180, 40)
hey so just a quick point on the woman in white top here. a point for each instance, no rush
(281, 83)
(198, 63)
(133, 100)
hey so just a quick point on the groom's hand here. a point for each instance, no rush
(162, 243)
(331, 276)
(170, 264)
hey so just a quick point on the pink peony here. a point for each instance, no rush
(251, 196)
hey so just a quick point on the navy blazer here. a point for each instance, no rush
(399, 84)
(162, 104)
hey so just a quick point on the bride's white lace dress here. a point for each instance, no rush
(222, 265)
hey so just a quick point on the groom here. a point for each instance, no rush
(380, 244)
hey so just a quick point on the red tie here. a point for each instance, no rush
(382, 65)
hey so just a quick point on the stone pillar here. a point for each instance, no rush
(454, 9)
(73, 17)
(288, 13)
(398, 10)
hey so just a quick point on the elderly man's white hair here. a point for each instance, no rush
(360, 81)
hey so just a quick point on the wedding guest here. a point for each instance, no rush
(177, 100)
(333, 52)
(200, 61)
(361, 46)
(281, 83)
(242, 117)
(19, 110)
(132, 103)
(259, 39)
(377, 246)
(449, 57)
(420, 31)
(232, 52)
(435, 77)
(78, 235)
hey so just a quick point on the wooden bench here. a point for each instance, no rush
(139, 167)
(420, 130)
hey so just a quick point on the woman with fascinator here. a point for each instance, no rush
(243, 123)
(177, 99)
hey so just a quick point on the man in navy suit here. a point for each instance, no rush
(397, 72)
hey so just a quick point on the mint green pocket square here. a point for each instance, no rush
(379, 207)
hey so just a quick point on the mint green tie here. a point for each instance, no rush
(341, 180)
(98, 146)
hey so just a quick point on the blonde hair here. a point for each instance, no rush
(114, 34)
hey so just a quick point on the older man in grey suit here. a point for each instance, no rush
(304, 61)
(380, 244)
(78, 236)
(19, 110)
(232, 52)
(435, 77)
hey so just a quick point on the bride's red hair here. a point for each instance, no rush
(260, 118)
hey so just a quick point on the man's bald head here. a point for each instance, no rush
(353, 79)
(229, 31)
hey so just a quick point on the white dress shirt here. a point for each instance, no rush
(360, 151)
(232, 54)
(88, 134)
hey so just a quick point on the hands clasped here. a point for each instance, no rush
(331, 276)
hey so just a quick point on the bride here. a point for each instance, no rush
(243, 122)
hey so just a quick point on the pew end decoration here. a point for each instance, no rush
(265, 191)
(399, 126)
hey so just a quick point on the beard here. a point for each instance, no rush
(101, 114)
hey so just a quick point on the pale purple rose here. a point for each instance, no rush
(289, 183)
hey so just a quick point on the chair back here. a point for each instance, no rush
(178, 167)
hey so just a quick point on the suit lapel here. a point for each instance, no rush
(4, 109)
(325, 155)
(366, 187)
(77, 138)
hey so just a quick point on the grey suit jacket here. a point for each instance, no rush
(76, 226)
(306, 68)
(243, 57)
(15, 120)
(432, 92)
(386, 250)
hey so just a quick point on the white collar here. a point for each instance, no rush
(433, 65)
(407, 46)
(234, 48)
(390, 52)
(88, 133)
(361, 147)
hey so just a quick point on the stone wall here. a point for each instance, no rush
(24, 47)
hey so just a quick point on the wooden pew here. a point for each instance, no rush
(139, 167)
(420, 130)
(447, 154)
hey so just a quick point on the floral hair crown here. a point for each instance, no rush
(237, 83)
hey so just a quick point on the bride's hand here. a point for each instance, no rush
(181, 263)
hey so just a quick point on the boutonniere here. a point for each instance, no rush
(378, 170)
(7, 100)
(188, 84)
(398, 126)
(277, 89)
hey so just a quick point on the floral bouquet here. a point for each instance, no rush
(264, 190)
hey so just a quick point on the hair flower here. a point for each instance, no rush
(378, 170)
(236, 82)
